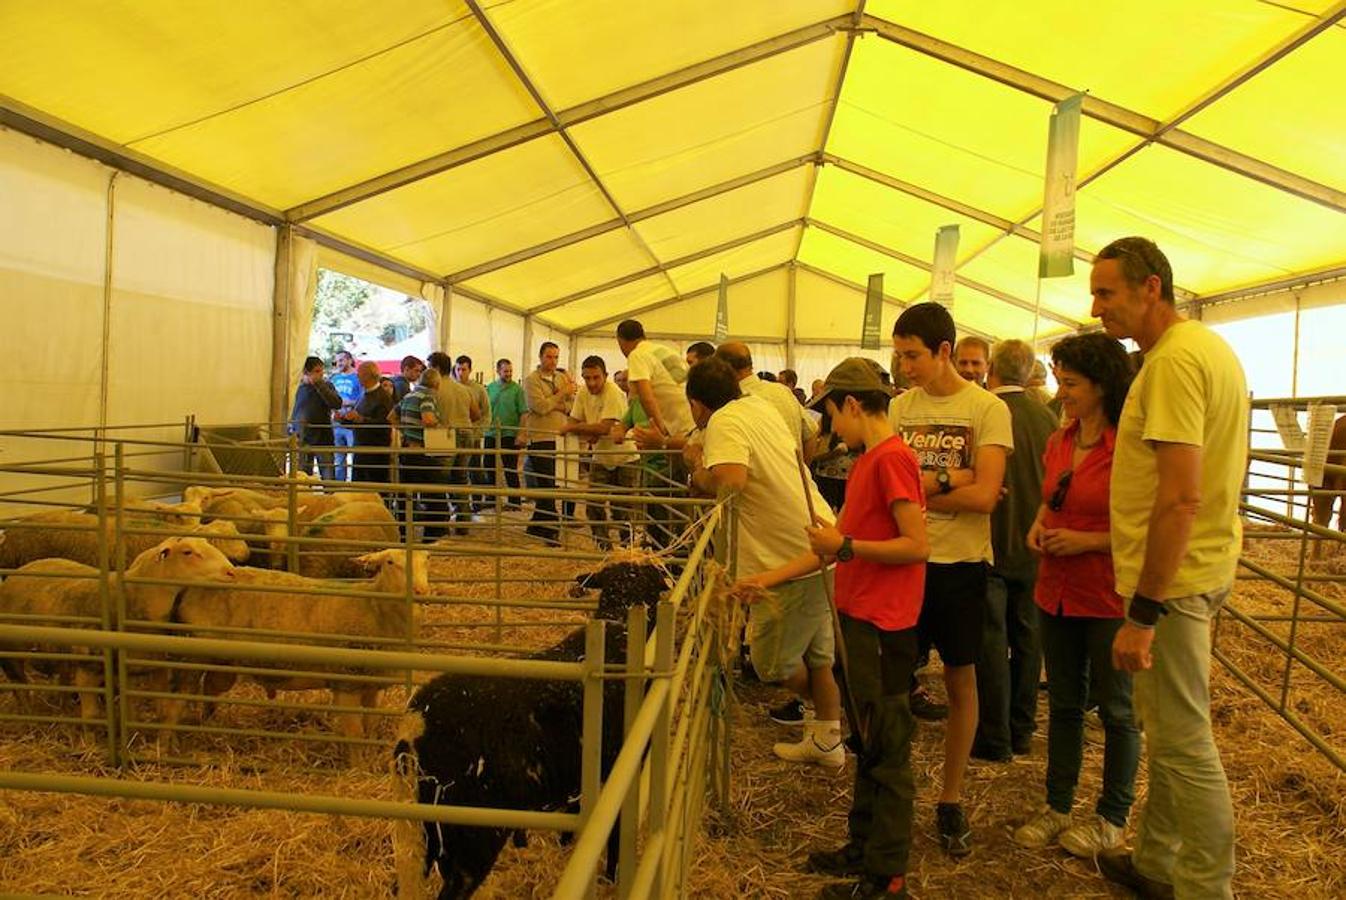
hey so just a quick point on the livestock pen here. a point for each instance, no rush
(494, 599)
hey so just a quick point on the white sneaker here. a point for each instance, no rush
(1042, 830)
(1096, 836)
(821, 746)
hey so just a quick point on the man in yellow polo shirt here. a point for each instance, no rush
(1180, 457)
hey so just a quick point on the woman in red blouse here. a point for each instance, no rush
(1078, 609)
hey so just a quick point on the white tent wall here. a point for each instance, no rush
(188, 292)
(506, 340)
(53, 227)
(471, 334)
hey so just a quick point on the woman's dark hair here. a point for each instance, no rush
(712, 383)
(1103, 361)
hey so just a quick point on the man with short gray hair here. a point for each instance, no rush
(1011, 656)
(1177, 475)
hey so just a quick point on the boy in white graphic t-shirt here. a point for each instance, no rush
(961, 436)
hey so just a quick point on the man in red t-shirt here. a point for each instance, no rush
(879, 545)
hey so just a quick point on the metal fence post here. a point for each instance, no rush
(105, 603)
(119, 591)
(635, 693)
(292, 507)
(591, 741)
(659, 741)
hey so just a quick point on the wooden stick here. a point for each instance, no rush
(860, 725)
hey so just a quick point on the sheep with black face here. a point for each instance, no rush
(507, 743)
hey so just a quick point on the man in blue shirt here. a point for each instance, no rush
(347, 384)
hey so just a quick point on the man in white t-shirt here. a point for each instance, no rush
(749, 454)
(596, 412)
(797, 419)
(656, 376)
(961, 435)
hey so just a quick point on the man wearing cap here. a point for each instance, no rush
(879, 546)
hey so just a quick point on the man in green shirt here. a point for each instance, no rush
(507, 408)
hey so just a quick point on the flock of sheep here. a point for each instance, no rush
(492, 742)
(55, 555)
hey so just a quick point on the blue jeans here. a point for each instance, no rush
(1185, 835)
(1009, 666)
(342, 437)
(1078, 651)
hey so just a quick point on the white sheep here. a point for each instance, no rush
(49, 588)
(72, 535)
(334, 612)
(348, 523)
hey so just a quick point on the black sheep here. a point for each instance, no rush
(513, 744)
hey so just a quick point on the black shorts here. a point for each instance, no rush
(954, 611)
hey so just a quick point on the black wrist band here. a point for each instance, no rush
(1144, 611)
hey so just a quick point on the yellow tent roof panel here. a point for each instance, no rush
(1151, 56)
(567, 270)
(479, 211)
(733, 214)
(889, 217)
(1290, 115)
(737, 262)
(1220, 230)
(1011, 265)
(613, 302)
(715, 130)
(576, 55)
(912, 117)
(856, 263)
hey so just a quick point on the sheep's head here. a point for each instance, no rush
(183, 557)
(390, 572)
(224, 536)
(622, 586)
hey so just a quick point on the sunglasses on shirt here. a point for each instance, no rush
(1059, 495)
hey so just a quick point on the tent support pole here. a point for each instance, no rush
(791, 305)
(280, 323)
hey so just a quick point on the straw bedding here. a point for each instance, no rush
(1290, 802)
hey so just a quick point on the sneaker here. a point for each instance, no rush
(869, 886)
(1093, 728)
(923, 707)
(846, 860)
(955, 835)
(821, 746)
(1092, 838)
(985, 754)
(1119, 868)
(1042, 830)
(789, 713)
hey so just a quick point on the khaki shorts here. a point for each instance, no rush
(793, 626)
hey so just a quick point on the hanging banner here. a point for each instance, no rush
(870, 337)
(722, 312)
(1321, 417)
(1058, 204)
(945, 260)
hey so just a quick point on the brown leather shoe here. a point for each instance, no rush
(1119, 868)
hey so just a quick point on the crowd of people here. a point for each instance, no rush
(948, 505)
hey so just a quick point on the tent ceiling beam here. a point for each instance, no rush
(1148, 129)
(1303, 279)
(926, 267)
(591, 109)
(1006, 226)
(856, 17)
(663, 268)
(503, 48)
(887, 298)
(590, 327)
(23, 118)
(633, 217)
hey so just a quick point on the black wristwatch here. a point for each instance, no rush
(845, 553)
(1145, 612)
(942, 479)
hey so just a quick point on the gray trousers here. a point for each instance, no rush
(1185, 835)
